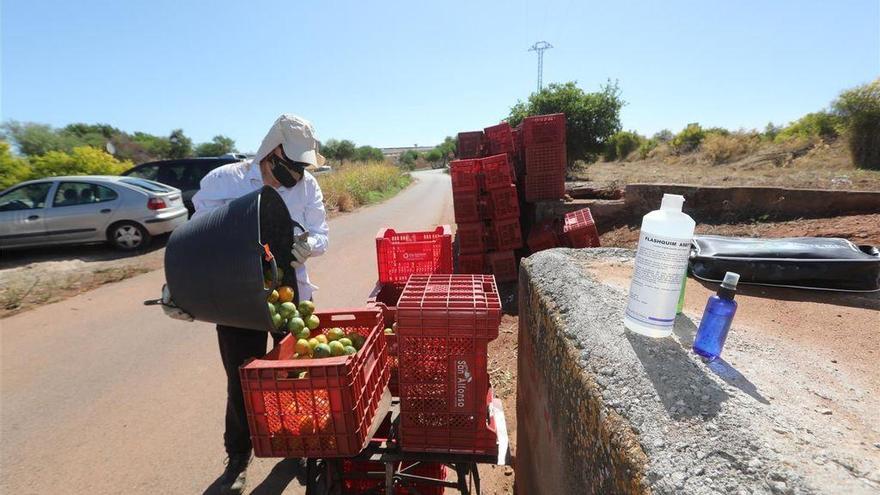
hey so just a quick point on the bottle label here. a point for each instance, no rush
(656, 282)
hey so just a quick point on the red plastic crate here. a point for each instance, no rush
(506, 234)
(467, 206)
(544, 129)
(450, 305)
(543, 236)
(367, 477)
(503, 203)
(499, 139)
(471, 263)
(400, 254)
(497, 172)
(471, 238)
(465, 175)
(546, 159)
(431, 430)
(579, 229)
(544, 187)
(470, 145)
(328, 412)
(503, 265)
(385, 297)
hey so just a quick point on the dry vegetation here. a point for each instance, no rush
(354, 184)
(739, 159)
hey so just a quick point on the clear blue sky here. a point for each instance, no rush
(407, 72)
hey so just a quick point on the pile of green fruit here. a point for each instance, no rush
(286, 314)
(334, 343)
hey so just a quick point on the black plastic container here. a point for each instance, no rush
(214, 263)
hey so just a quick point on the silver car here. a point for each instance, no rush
(124, 211)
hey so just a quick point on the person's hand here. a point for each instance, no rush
(171, 310)
(301, 251)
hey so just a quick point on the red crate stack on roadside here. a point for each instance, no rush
(487, 212)
(545, 156)
(445, 323)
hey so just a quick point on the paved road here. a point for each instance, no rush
(101, 395)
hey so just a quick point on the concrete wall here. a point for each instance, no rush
(724, 204)
(601, 410)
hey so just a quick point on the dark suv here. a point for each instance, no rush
(184, 174)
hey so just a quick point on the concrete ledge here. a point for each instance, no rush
(723, 204)
(602, 410)
(607, 213)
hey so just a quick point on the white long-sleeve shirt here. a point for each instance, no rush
(304, 201)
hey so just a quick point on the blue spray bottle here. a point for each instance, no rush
(717, 318)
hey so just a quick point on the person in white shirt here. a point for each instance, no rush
(286, 151)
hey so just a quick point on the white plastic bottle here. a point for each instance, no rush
(661, 260)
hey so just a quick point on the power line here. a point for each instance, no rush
(539, 47)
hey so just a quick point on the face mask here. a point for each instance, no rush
(281, 172)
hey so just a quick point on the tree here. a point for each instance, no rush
(663, 136)
(82, 160)
(155, 146)
(220, 145)
(688, 139)
(180, 146)
(369, 154)
(591, 118)
(859, 108)
(408, 159)
(36, 139)
(621, 144)
(334, 149)
(12, 168)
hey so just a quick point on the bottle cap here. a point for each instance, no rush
(730, 280)
(672, 202)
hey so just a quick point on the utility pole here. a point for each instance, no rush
(539, 47)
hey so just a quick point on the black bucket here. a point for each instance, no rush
(214, 263)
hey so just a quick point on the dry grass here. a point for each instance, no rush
(355, 184)
(795, 163)
(720, 149)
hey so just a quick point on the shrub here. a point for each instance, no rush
(816, 125)
(688, 139)
(368, 154)
(663, 136)
(860, 110)
(82, 160)
(352, 185)
(720, 148)
(646, 147)
(12, 168)
(621, 144)
(591, 118)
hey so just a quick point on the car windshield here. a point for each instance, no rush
(146, 185)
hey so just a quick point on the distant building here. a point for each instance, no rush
(396, 152)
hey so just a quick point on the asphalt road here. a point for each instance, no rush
(102, 395)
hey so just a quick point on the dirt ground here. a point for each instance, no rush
(860, 229)
(823, 167)
(38, 276)
(498, 480)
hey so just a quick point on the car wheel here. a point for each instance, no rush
(128, 236)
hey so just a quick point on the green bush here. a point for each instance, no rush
(860, 110)
(220, 145)
(646, 146)
(816, 125)
(368, 154)
(82, 160)
(12, 168)
(591, 118)
(621, 144)
(408, 159)
(688, 139)
(663, 136)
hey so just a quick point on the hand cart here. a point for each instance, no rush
(326, 476)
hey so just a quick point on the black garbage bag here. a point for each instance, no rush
(799, 262)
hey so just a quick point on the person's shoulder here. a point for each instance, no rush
(224, 174)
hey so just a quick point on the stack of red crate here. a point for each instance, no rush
(543, 138)
(487, 211)
(444, 324)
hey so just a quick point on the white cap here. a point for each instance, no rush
(297, 138)
(730, 280)
(672, 202)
